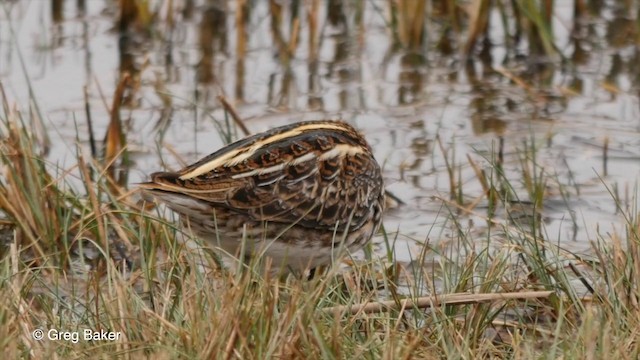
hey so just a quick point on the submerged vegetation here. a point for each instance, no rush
(80, 251)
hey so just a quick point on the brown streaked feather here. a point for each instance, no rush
(277, 176)
(297, 194)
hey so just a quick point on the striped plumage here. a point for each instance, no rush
(296, 193)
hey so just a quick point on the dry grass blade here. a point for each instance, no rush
(411, 21)
(114, 141)
(25, 196)
(234, 115)
(449, 167)
(486, 190)
(540, 34)
(87, 111)
(433, 301)
(478, 23)
(479, 175)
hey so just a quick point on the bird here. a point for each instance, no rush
(302, 195)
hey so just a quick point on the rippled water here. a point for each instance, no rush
(416, 108)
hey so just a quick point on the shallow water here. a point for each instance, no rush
(406, 104)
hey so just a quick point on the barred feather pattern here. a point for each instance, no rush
(296, 194)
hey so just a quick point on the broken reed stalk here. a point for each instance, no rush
(433, 301)
(605, 156)
(242, 20)
(114, 140)
(87, 110)
(94, 200)
(479, 175)
(449, 166)
(275, 10)
(293, 41)
(234, 114)
(241, 30)
(312, 19)
(411, 20)
(128, 14)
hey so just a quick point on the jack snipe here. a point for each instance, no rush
(296, 193)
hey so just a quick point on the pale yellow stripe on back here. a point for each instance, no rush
(235, 157)
(260, 171)
(215, 163)
(341, 151)
(293, 132)
(279, 167)
(304, 158)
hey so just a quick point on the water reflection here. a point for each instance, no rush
(314, 87)
(285, 38)
(411, 78)
(243, 20)
(57, 7)
(489, 105)
(345, 66)
(133, 32)
(409, 49)
(57, 17)
(212, 39)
